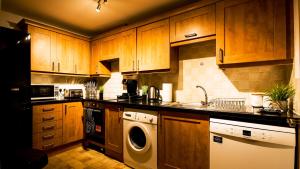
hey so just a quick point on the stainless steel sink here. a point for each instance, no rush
(193, 105)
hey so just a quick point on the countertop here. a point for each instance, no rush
(246, 115)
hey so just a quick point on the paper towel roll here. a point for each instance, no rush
(166, 92)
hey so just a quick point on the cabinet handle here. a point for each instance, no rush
(66, 109)
(58, 65)
(47, 119)
(138, 65)
(133, 65)
(120, 114)
(48, 146)
(75, 68)
(48, 127)
(53, 66)
(221, 55)
(48, 137)
(45, 110)
(190, 35)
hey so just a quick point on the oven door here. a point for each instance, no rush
(42, 92)
(94, 124)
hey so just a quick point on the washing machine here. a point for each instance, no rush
(140, 138)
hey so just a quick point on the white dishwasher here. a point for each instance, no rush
(241, 145)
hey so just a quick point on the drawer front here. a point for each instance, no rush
(47, 126)
(46, 117)
(47, 140)
(48, 108)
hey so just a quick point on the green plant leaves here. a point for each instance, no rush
(281, 92)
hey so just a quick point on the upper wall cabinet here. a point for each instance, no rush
(250, 31)
(41, 59)
(58, 52)
(109, 47)
(127, 46)
(153, 46)
(96, 67)
(194, 24)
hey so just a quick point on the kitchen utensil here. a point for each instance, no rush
(154, 94)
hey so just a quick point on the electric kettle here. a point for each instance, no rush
(153, 94)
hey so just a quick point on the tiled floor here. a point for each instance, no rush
(78, 158)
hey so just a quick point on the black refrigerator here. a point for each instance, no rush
(16, 114)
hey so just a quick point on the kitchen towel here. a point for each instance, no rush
(167, 92)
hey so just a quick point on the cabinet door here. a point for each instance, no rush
(250, 31)
(96, 67)
(194, 24)
(40, 49)
(72, 122)
(127, 45)
(153, 46)
(114, 132)
(183, 141)
(65, 53)
(109, 48)
(82, 57)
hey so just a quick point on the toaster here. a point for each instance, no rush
(73, 93)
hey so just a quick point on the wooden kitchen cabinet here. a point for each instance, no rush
(46, 126)
(82, 57)
(153, 46)
(96, 67)
(114, 131)
(250, 31)
(183, 141)
(72, 122)
(109, 47)
(65, 53)
(193, 24)
(41, 44)
(128, 61)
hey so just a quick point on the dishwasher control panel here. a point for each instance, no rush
(252, 131)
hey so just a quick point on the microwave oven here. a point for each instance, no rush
(44, 91)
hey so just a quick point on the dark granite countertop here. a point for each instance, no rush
(53, 101)
(246, 115)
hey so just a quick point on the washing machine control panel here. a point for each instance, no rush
(146, 118)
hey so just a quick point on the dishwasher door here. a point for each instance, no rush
(239, 145)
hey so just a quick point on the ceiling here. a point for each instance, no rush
(80, 15)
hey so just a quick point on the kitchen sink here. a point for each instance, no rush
(193, 105)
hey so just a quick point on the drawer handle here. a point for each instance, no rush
(45, 110)
(47, 119)
(48, 146)
(48, 137)
(48, 127)
(190, 35)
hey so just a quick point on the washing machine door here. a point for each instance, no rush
(138, 139)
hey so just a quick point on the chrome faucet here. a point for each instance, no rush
(205, 94)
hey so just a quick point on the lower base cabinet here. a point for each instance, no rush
(183, 141)
(114, 131)
(56, 124)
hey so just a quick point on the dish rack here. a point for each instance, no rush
(237, 104)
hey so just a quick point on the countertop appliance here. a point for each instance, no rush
(153, 94)
(16, 116)
(94, 124)
(131, 86)
(44, 91)
(241, 145)
(140, 138)
(73, 93)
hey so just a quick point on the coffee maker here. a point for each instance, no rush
(131, 87)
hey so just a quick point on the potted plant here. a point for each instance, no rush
(101, 90)
(144, 91)
(279, 96)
